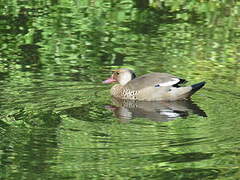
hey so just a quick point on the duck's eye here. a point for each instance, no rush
(117, 73)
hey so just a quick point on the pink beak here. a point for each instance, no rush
(109, 80)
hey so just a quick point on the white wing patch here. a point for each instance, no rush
(168, 83)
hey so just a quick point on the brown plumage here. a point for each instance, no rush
(150, 87)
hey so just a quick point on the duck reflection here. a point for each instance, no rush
(126, 110)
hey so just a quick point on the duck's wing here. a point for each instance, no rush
(154, 80)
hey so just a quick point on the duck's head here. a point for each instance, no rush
(122, 76)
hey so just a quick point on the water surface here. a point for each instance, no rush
(58, 120)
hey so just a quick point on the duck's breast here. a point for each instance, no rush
(121, 92)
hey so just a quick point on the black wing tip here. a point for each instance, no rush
(181, 81)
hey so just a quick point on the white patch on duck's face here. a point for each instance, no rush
(124, 77)
(168, 83)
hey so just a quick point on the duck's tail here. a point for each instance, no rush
(193, 88)
(181, 93)
(196, 87)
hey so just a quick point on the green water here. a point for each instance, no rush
(58, 120)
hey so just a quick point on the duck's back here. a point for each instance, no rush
(152, 80)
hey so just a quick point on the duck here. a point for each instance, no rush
(150, 87)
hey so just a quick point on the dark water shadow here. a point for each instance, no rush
(126, 110)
